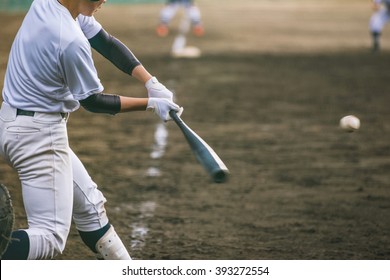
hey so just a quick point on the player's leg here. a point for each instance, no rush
(91, 218)
(194, 14)
(377, 23)
(37, 147)
(166, 15)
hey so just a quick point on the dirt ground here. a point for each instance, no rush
(273, 81)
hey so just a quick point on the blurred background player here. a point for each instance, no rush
(170, 10)
(378, 20)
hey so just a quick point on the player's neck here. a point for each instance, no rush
(84, 7)
(72, 7)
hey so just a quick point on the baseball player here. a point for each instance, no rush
(50, 73)
(378, 20)
(170, 10)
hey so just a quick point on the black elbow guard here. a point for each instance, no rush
(102, 103)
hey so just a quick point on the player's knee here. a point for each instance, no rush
(89, 212)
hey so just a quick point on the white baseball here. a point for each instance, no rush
(350, 123)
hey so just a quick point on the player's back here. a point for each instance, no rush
(33, 71)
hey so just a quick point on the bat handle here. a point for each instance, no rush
(173, 115)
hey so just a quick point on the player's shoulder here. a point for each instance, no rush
(49, 21)
(89, 25)
(71, 40)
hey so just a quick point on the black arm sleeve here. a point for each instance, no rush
(102, 103)
(115, 51)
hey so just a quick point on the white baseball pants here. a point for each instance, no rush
(55, 185)
(170, 10)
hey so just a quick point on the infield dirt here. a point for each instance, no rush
(267, 94)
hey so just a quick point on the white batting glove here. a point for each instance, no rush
(162, 106)
(157, 89)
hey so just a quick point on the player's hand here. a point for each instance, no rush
(157, 89)
(162, 106)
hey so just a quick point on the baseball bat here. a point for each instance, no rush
(205, 155)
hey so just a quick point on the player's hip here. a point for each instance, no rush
(23, 133)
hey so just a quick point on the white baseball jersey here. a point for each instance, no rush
(50, 68)
(50, 65)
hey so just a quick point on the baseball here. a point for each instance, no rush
(349, 123)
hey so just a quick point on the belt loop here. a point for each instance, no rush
(65, 116)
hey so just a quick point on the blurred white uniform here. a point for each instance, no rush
(192, 12)
(378, 20)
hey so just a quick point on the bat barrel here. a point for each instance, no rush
(209, 160)
(203, 152)
(220, 176)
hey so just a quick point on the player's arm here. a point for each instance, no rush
(115, 51)
(120, 55)
(113, 104)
